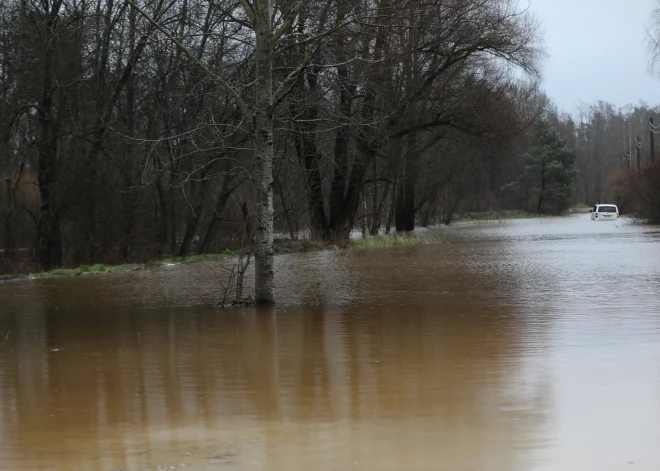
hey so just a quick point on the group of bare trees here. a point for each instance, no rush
(608, 140)
(136, 129)
(638, 186)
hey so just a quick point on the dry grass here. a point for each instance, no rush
(395, 240)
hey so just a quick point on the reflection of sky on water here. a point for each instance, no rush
(510, 346)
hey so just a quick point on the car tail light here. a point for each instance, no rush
(596, 216)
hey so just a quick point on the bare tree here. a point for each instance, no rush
(259, 16)
(653, 38)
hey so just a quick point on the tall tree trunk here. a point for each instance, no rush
(309, 155)
(128, 207)
(391, 211)
(49, 254)
(426, 218)
(171, 218)
(539, 206)
(93, 162)
(394, 153)
(9, 215)
(341, 154)
(198, 193)
(449, 217)
(405, 201)
(162, 216)
(343, 215)
(344, 181)
(375, 214)
(128, 198)
(375, 226)
(264, 254)
(364, 215)
(340, 175)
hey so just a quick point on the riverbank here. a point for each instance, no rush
(100, 269)
(282, 246)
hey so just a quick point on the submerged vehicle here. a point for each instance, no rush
(605, 212)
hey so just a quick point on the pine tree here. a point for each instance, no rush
(549, 170)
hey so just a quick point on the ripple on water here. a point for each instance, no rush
(523, 345)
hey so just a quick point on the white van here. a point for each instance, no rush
(605, 212)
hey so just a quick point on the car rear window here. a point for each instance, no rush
(607, 209)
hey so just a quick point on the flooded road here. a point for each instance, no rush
(523, 345)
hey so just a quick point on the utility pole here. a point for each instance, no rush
(652, 135)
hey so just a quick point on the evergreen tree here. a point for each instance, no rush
(548, 170)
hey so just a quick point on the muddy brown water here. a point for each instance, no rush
(524, 345)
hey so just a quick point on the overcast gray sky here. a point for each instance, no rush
(596, 50)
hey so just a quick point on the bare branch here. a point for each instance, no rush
(226, 85)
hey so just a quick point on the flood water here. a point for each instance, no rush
(524, 345)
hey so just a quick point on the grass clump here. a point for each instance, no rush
(314, 295)
(378, 242)
(120, 268)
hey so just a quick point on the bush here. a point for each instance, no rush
(639, 192)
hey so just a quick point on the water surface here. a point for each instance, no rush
(524, 345)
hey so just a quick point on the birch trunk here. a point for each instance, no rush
(264, 255)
